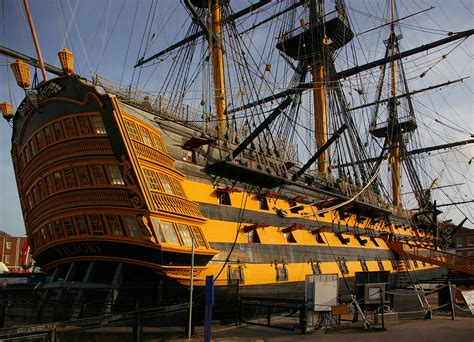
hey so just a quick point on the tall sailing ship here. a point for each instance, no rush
(227, 168)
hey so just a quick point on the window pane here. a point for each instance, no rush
(27, 153)
(34, 148)
(153, 181)
(198, 238)
(69, 178)
(96, 225)
(116, 175)
(165, 184)
(113, 224)
(58, 130)
(146, 136)
(99, 174)
(158, 143)
(49, 184)
(81, 225)
(185, 234)
(84, 125)
(98, 125)
(133, 227)
(156, 224)
(132, 130)
(169, 232)
(177, 188)
(40, 140)
(48, 135)
(58, 229)
(58, 181)
(69, 226)
(70, 127)
(83, 175)
(41, 189)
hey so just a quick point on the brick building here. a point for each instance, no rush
(464, 239)
(10, 251)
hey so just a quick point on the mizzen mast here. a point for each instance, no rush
(35, 39)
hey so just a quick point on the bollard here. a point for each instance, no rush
(453, 315)
(209, 301)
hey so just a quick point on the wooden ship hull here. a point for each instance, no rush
(113, 183)
(145, 195)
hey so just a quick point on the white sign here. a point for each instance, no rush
(469, 298)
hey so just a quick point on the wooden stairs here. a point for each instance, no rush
(433, 256)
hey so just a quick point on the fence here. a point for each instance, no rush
(129, 326)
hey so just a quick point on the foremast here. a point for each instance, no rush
(215, 42)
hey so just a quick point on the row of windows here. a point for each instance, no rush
(463, 241)
(100, 225)
(236, 273)
(66, 128)
(72, 177)
(178, 234)
(142, 134)
(87, 225)
(160, 182)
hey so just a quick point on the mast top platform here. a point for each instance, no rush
(306, 42)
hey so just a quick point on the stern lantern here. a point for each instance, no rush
(7, 110)
(22, 73)
(66, 58)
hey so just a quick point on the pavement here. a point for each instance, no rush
(440, 328)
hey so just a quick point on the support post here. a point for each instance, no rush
(453, 314)
(303, 317)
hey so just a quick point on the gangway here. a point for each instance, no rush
(434, 256)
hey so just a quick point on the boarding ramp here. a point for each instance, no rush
(434, 256)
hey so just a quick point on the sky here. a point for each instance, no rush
(106, 40)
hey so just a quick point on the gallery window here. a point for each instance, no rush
(169, 233)
(115, 175)
(98, 125)
(186, 236)
(113, 224)
(133, 227)
(96, 225)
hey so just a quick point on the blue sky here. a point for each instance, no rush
(98, 33)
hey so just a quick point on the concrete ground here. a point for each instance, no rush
(441, 329)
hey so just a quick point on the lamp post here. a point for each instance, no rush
(191, 277)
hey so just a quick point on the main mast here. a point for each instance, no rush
(316, 15)
(315, 44)
(393, 133)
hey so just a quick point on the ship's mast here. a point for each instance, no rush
(215, 42)
(393, 132)
(319, 88)
(35, 39)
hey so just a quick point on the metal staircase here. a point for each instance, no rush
(433, 256)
